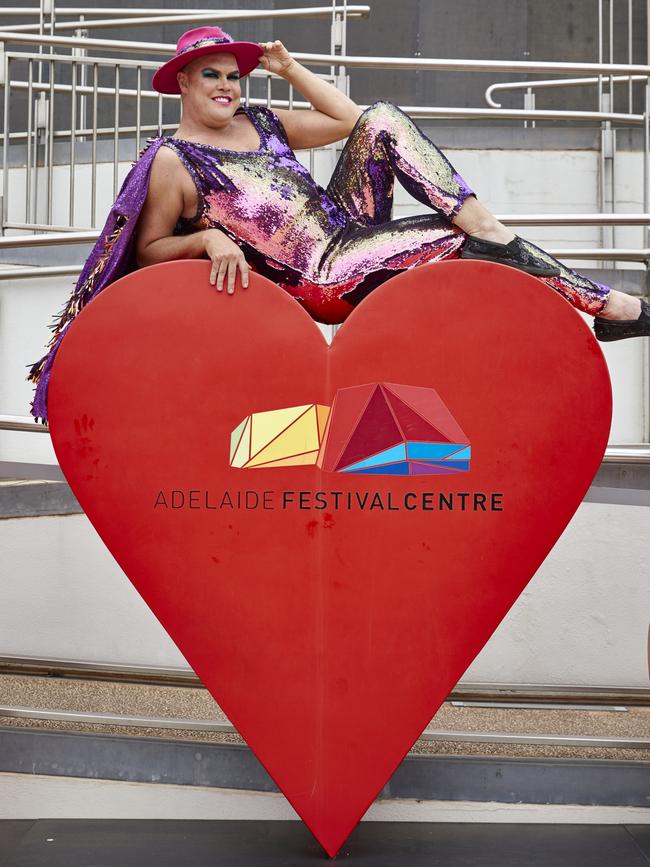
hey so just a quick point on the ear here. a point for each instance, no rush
(183, 80)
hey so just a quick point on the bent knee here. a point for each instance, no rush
(383, 107)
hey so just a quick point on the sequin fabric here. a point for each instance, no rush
(327, 247)
(330, 247)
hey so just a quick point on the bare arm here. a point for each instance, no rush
(171, 192)
(334, 113)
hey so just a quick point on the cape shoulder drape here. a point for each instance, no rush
(111, 258)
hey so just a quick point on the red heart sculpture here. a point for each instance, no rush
(329, 635)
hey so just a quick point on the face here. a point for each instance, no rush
(210, 89)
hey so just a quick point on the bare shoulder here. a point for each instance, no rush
(167, 165)
(171, 180)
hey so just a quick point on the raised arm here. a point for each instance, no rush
(334, 113)
(172, 193)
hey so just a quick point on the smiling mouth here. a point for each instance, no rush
(222, 100)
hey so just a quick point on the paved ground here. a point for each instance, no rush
(111, 843)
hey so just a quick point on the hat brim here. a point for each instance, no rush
(248, 56)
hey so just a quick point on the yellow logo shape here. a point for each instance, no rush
(279, 437)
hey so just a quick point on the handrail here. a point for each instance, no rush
(59, 236)
(187, 17)
(27, 272)
(176, 676)
(415, 111)
(131, 11)
(552, 82)
(519, 66)
(626, 453)
(226, 727)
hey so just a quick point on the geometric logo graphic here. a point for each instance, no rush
(279, 437)
(389, 429)
(372, 429)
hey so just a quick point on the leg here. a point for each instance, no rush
(597, 299)
(366, 256)
(385, 144)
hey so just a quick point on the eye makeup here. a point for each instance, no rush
(213, 73)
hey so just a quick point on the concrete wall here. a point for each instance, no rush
(583, 619)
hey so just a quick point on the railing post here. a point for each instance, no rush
(607, 175)
(79, 51)
(646, 239)
(4, 72)
(340, 78)
(646, 163)
(529, 105)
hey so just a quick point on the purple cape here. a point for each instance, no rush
(111, 258)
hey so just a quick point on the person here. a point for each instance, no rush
(228, 186)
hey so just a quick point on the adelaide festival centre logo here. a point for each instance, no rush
(379, 428)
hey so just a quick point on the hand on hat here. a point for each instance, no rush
(276, 58)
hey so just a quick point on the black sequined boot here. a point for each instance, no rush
(619, 329)
(513, 254)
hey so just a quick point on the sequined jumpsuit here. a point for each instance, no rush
(330, 247)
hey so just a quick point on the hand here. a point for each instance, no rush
(226, 258)
(276, 58)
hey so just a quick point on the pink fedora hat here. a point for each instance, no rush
(204, 40)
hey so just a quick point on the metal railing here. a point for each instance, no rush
(90, 86)
(115, 720)
(97, 19)
(465, 692)
(94, 86)
(541, 84)
(82, 101)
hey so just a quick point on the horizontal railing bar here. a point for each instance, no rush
(137, 11)
(226, 727)
(539, 705)
(177, 676)
(450, 65)
(633, 453)
(27, 272)
(187, 17)
(42, 227)
(99, 132)
(72, 236)
(575, 219)
(20, 241)
(88, 60)
(445, 112)
(620, 255)
(424, 112)
(87, 89)
(110, 719)
(415, 112)
(621, 743)
(22, 423)
(553, 82)
(122, 91)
